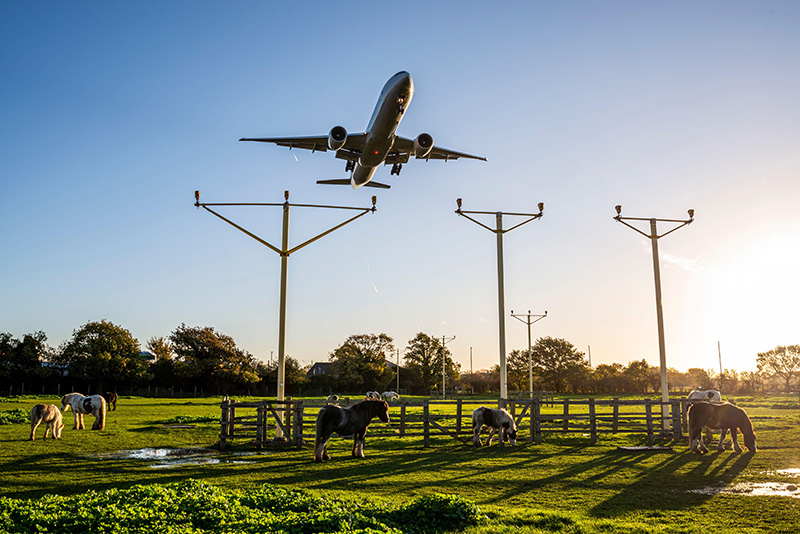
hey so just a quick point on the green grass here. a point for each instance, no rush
(563, 485)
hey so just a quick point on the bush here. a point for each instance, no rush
(17, 415)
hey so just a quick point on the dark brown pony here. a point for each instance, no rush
(111, 400)
(345, 422)
(721, 416)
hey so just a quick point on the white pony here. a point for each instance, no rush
(51, 416)
(373, 395)
(95, 405)
(498, 421)
(390, 395)
(332, 399)
(711, 395)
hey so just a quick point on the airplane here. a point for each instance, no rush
(364, 152)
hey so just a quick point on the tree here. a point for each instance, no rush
(21, 359)
(104, 353)
(209, 359)
(517, 369)
(294, 375)
(359, 364)
(161, 347)
(554, 358)
(700, 378)
(637, 373)
(608, 378)
(423, 357)
(783, 361)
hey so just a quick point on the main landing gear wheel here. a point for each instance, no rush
(349, 166)
(396, 168)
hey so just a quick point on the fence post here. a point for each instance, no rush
(566, 415)
(537, 422)
(592, 422)
(648, 408)
(223, 422)
(426, 423)
(298, 424)
(403, 421)
(531, 419)
(260, 430)
(458, 416)
(615, 424)
(287, 417)
(677, 431)
(232, 420)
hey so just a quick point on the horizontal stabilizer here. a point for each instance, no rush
(377, 184)
(339, 181)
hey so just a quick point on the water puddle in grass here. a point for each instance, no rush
(167, 458)
(769, 489)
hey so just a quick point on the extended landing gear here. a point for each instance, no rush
(396, 168)
(349, 166)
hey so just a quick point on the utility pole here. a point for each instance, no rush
(444, 359)
(719, 351)
(528, 321)
(501, 305)
(654, 236)
(284, 252)
(398, 371)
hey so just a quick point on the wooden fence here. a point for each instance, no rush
(286, 421)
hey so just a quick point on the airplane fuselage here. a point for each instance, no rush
(392, 104)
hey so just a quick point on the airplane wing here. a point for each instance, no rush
(354, 143)
(403, 145)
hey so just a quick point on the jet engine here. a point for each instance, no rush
(422, 145)
(337, 138)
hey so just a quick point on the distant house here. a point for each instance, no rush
(320, 369)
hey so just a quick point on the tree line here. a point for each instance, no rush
(103, 356)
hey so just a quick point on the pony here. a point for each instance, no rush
(95, 405)
(332, 399)
(498, 420)
(345, 422)
(705, 394)
(51, 416)
(724, 417)
(374, 395)
(111, 400)
(390, 395)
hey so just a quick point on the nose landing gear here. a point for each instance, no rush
(396, 168)
(349, 166)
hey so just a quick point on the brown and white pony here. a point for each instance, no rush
(51, 416)
(95, 405)
(724, 417)
(346, 422)
(705, 394)
(498, 421)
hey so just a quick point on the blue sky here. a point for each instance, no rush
(113, 114)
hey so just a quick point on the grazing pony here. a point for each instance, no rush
(95, 405)
(724, 417)
(705, 394)
(51, 416)
(111, 400)
(345, 422)
(498, 420)
(373, 395)
(332, 399)
(390, 395)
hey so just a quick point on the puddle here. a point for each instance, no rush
(769, 489)
(169, 458)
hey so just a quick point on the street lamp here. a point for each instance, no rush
(654, 236)
(529, 322)
(501, 306)
(284, 252)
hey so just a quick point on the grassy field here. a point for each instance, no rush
(561, 485)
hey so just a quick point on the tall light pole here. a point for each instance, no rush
(529, 320)
(501, 305)
(284, 252)
(445, 341)
(654, 236)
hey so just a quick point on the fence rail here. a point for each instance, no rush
(286, 422)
